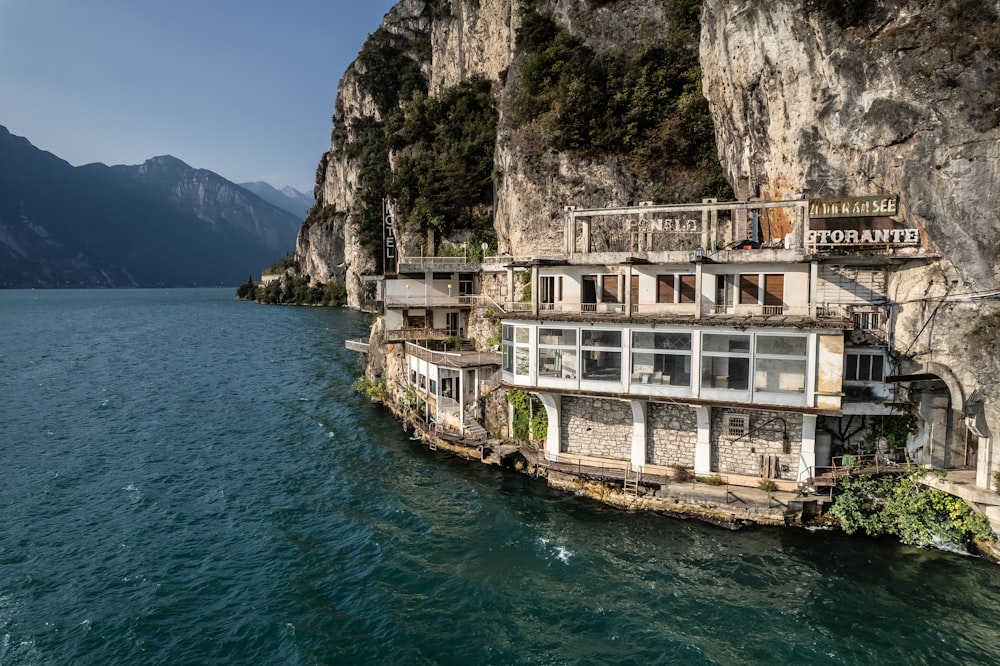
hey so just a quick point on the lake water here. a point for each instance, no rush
(189, 479)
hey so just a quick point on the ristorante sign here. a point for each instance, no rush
(863, 237)
(881, 205)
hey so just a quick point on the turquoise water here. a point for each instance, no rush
(188, 479)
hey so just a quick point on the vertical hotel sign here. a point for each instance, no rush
(388, 237)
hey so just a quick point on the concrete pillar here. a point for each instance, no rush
(813, 284)
(984, 471)
(534, 290)
(807, 457)
(553, 436)
(639, 443)
(698, 279)
(703, 447)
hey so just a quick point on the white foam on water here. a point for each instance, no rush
(556, 552)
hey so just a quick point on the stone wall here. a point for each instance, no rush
(732, 455)
(596, 427)
(671, 434)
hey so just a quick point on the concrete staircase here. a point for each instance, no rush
(473, 430)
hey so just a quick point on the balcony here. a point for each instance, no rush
(568, 308)
(434, 301)
(407, 334)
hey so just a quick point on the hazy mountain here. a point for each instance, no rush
(287, 198)
(161, 223)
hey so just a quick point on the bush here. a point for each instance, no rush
(374, 391)
(767, 485)
(900, 506)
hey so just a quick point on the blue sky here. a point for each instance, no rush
(243, 88)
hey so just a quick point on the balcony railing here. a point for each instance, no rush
(664, 308)
(574, 308)
(467, 300)
(405, 334)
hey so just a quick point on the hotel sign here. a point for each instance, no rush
(671, 224)
(874, 206)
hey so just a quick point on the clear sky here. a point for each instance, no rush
(244, 88)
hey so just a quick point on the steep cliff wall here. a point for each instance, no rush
(541, 161)
(903, 100)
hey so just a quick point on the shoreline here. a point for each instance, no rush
(727, 506)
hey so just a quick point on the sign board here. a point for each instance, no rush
(863, 237)
(883, 205)
(674, 224)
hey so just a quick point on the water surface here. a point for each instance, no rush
(189, 479)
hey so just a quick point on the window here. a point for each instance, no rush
(688, 294)
(465, 284)
(600, 355)
(725, 361)
(547, 289)
(772, 296)
(609, 289)
(749, 289)
(735, 425)
(780, 364)
(661, 358)
(664, 288)
(864, 367)
(557, 352)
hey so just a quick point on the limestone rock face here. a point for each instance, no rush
(803, 105)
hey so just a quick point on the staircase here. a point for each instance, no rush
(632, 478)
(473, 430)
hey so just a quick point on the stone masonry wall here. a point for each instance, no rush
(596, 427)
(731, 455)
(672, 432)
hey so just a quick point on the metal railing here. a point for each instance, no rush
(465, 300)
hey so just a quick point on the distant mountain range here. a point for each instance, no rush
(161, 223)
(289, 198)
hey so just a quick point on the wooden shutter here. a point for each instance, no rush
(749, 289)
(688, 284)
(774, 290)
(609, 285)
(664, 288)
(634, 290)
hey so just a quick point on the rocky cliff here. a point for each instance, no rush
(900, 98)
(787, 99)
(554, 141)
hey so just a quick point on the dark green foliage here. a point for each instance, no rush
(443, 145)
(845, 13)
(530, 419)
(247, 291)
(283, 264)
(899, 506)
(443, 176)
(391, 67)
(298, 291)
(643, 104)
